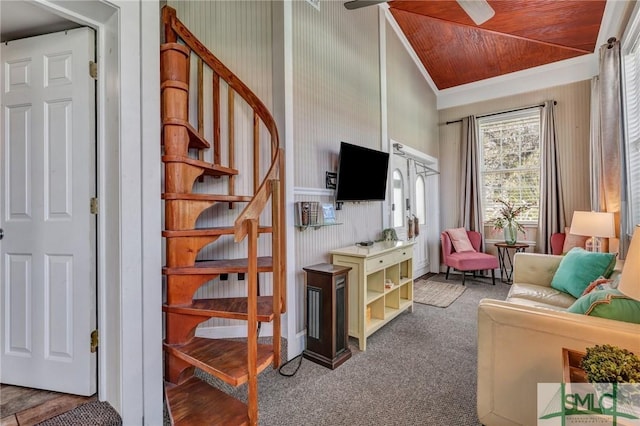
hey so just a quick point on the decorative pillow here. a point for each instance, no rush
(579, 268)
(602, 283)
(572, 240)
(609, 304)
(460, 240)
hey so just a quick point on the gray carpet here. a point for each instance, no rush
(419, 369)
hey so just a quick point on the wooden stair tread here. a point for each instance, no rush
(223, 266)
(206, 232)
(196, 140)
(224, 359)
(209, 168)
(227, 307)
(207, 197)
(195, 402)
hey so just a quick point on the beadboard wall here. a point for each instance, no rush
(572, 114)
(411, 104)
(338, 97)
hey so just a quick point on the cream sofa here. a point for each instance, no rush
(520, 341)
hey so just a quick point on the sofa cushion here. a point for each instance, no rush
(611, 304)
(579, 268)
(535, 295)
(572, 240)
(472, 261)
(460, 240)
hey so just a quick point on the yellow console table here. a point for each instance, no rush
(381, 284)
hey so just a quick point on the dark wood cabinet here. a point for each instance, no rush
(327, 341)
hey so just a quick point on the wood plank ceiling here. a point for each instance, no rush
(522, 34)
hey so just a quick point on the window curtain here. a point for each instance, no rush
(595, 151)
(470, 214)
(607, 167)
(551, 218)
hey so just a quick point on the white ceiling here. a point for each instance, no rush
(20, 19)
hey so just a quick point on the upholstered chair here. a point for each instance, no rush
(470, 259)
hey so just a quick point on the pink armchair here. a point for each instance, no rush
(468, 260)
(557, 242)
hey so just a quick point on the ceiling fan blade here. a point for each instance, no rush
(478, 10)
(357, 4)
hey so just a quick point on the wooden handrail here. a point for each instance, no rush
(271, 187)
(262, 194)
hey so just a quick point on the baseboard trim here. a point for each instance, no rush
(232, 331)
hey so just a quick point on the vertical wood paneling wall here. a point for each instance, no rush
(572, 114)
(336, 98)
(412, 117)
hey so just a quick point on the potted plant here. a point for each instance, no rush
(611, 364)
(507, 219)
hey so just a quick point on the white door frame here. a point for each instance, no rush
(432, 187)
(129, 219)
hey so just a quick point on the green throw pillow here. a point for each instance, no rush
(579, 267)
(611, 304)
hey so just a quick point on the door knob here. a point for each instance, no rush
(1, 233)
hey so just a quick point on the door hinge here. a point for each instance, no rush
(94, 341)
(93, 70)
(93, 205)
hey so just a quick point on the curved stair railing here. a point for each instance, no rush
(189, 399)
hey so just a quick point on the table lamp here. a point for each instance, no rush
(630, 280)
(595, 225)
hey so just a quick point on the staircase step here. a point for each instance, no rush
(183, 209)
(228, 307)
(207, 197)
(195, 402)
(207, 232)
(224, 359)
(209, 168)
(196, 140)
(224, 266)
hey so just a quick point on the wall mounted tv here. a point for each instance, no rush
(362, 174)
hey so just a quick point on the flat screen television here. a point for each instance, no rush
(362, 174)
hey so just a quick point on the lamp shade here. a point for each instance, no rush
(593, 224)
(630, 279)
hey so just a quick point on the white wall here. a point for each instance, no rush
(411, 104)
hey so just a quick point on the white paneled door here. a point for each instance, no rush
(48, 264)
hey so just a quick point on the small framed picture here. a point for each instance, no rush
(328, 213)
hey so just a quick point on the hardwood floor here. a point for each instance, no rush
(26, 407)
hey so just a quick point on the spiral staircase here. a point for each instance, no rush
(189, 399)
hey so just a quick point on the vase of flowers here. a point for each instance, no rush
(507, 220)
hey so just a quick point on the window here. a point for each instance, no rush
(398, 199)
(510, 161)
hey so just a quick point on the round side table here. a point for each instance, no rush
(505, 259)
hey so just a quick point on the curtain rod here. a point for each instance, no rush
(502, 112)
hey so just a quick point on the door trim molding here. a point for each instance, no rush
(129, 241)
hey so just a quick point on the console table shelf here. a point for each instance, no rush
(372, 304)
